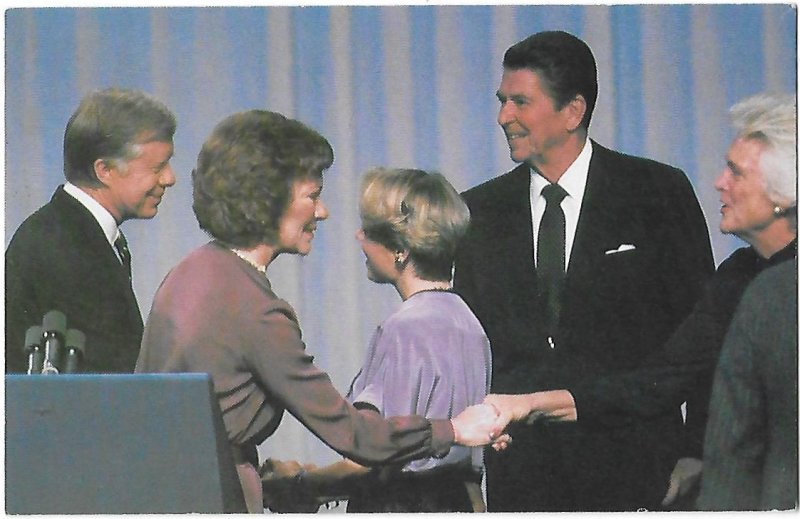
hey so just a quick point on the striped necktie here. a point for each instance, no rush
(121, 244)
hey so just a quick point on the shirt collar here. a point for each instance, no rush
(574, 178)
(100, 213)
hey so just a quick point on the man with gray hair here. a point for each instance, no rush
(70, 255)
(758, 195)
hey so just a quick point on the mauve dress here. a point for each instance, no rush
(215, 313)
(431, 358)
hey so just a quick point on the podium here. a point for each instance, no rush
(117, 444)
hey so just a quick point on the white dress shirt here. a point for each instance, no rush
(100, 213)
(573, 181)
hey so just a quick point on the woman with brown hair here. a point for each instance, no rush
(256, 190)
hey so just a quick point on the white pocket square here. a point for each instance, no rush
(621, 248)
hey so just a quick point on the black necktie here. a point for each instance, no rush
(121, 244)
(550, 257)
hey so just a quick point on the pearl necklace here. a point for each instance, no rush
(242, 254)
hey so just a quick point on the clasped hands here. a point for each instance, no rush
(480, 425)
(476, 426)
(484, 424)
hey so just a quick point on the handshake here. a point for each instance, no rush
(480, 425)
(293, 487)
(290, 486)
(484, 424)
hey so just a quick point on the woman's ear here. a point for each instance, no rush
(400, 259)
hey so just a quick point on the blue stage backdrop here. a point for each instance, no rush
(392, 86)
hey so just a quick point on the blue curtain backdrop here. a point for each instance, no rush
(392, 86)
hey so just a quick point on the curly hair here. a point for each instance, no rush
(245, 172)
(772, 119)
(411, 209)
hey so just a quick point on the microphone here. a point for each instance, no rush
(33, 347)
(54, 326)
(76, 348)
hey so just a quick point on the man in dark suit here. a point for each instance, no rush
(758, 203)
(70, 255)
(587, 283)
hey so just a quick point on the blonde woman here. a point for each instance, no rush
(431, 357)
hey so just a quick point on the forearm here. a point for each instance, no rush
(668, 376)
(290, 486)
(286, 369)
(336, 480)
(557, 406)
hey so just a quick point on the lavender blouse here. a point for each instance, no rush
(431, 358)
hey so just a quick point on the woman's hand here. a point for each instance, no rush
(557, 405)
(510, 408)
(477, 426)
(684, 482)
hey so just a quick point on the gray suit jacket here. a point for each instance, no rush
(750, 454)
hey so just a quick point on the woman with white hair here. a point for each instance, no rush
(757, 190)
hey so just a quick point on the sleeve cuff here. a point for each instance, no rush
(442, 437)
(584, 414)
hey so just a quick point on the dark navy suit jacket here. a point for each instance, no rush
(59, 259)
(617, 309)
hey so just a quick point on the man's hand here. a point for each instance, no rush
(281, 482)
(502, 442)
(684, 481)
(274, 470)
(511, 408)
(477, 426)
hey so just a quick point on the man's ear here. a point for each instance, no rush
(575, 110)
(103, 171)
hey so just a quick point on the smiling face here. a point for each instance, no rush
(536, 131)
(747, 211)
(135, 189)
(298, 223)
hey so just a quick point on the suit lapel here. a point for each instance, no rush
(89, 231)
(594, 207)
(598, 224)
(103, 259)
(85, 225)
(517, 229)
